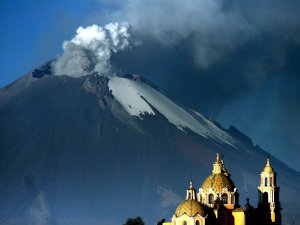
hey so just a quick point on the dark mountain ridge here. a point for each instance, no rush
(71, 154)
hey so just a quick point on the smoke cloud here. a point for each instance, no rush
(91, 49)
(209, 31)
(223, 58)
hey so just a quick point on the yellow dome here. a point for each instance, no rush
(217, 182)
(268, 167)
(190, 207)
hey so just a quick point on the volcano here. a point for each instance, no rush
(97, 150)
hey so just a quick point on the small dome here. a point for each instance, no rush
(190, 208)
(268, 167)
(217, 182)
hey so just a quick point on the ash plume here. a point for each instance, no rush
(91, 48)
(225, 57)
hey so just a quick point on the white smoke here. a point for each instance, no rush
(204, 26)
(91, 49)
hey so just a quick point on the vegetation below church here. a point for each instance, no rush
(134, 221)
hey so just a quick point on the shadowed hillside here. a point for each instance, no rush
(70, 153)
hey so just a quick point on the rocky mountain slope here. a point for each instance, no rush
(96, 150)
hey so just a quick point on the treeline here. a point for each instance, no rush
(139, 221)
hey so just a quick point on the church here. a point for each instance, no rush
(217, 202)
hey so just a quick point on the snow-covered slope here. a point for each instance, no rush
(139, 98)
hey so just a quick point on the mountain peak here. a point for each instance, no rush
(73, 143)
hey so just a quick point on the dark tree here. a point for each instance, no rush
(134, 221)
(161, 222)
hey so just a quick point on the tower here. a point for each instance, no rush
(191, 192)
(268, 194)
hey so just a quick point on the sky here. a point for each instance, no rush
(235, 61)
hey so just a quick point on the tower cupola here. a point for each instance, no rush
(269, 192)
(191, 192)
(218, 165)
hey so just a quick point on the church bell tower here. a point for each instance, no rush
(268, 194)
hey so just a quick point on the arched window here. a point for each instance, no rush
(224, 199)
(265, 199)
(271, 181)
(266, 182)
(184, 222)
(211, 199)
(197, 222)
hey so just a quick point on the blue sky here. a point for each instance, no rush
(32, 31)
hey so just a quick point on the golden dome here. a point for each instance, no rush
(268, 167)
(217, 182)
(190, 207)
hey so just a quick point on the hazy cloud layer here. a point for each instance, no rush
(168, 197)
(210, 54)
(209, 31)
(91, 49)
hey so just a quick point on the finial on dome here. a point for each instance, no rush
(191, 184)
(268, 167)
(217, 166)
(268, 159)
(191, 181)
(218, 158)
(268, 162)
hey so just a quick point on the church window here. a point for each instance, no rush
(210, 199)
(224, 199)
(271, 181)
(265, 199)
(266, 182)
(197, 222)
(184, 223)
